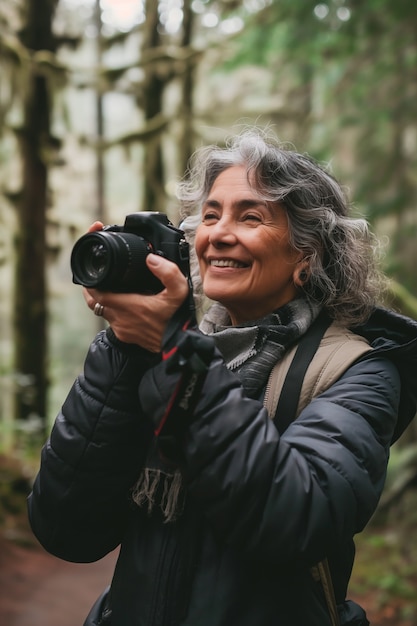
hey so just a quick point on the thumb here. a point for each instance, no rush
(168, 273)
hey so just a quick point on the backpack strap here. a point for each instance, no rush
(321, 356)
(288, 397)
(319, 359)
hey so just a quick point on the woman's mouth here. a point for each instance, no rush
(227, 263)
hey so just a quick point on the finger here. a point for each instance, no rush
(96, 226)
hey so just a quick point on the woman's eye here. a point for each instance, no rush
(251, 217)
(209, 217)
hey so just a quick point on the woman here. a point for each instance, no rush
(220, 518)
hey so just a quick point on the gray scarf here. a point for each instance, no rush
(251, 351)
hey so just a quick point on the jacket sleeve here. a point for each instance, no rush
(299, 495)
(80, 498)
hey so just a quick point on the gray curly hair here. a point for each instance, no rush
(341, 250)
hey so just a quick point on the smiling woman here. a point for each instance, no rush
(227, 512)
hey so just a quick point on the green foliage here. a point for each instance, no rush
(385, 570)
(402, 299)
(256, 45)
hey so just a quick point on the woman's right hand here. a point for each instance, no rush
(138, 318)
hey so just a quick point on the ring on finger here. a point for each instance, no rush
(98, 309)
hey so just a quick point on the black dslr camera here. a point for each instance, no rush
(113, 259)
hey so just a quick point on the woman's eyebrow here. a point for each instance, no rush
(251, 202)
(211, 202)
(242, 203)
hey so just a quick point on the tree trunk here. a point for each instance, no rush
(186, 146)
(100, 131)
(153, 169)
(30, 299)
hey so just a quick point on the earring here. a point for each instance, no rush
(302, 276)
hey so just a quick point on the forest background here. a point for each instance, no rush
(102, 104)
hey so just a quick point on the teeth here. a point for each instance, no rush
(226, 263)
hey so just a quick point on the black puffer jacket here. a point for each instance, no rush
(260, 509)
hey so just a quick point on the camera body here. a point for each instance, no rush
(113, 259)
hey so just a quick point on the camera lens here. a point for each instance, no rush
(95, 261)
(92, 259)
(113, 261)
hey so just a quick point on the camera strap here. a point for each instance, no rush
(188, 353)
(183, 319)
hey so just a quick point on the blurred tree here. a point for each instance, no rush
(186, 112)
(153, 87)
(174, 58)
(36, 144)
(164, 57)
(100, 170)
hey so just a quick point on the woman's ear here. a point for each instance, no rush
(301, 274)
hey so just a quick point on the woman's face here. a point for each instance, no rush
(242, 244)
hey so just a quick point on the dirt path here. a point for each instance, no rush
(37, 589)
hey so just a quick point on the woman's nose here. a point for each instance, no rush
(222, 232)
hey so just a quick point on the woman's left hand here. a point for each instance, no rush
(141, 319)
